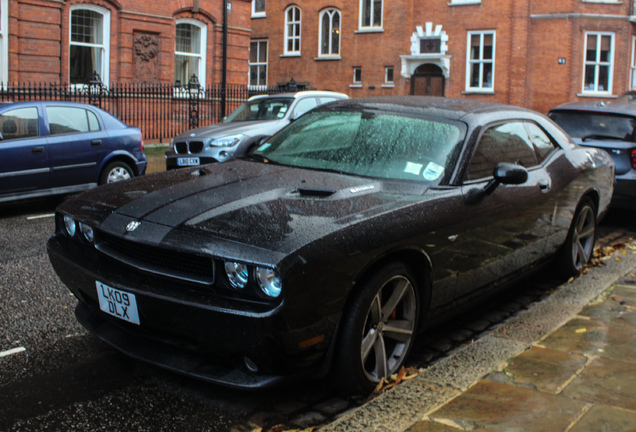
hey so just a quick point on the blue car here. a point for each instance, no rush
(52, 148)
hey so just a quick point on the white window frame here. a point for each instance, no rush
(259, 14)
(632, 79)
(480, 61)
(204, 48)
(292, 37)
(4, 41)
(331, 12)
(371, 26)
(597, 63)
(258, 63)
(105, 46)
(386, 75)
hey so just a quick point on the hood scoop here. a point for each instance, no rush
(316, 193)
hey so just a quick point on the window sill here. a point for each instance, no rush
(597, 95)
(464, 3)
(259, 15)
(617, 2)
(370, 30)
(290, 55)
(478, 92)
(327, 58)
(388, 86)
(355, 86)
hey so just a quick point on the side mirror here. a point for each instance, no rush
(507, 173)
(1, 137)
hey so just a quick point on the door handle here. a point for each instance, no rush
(96, 143)
(545, 186)
(37, 150)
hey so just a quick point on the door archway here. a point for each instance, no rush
(428, 80)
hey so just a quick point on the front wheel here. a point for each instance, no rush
(579, 244)
(116, 171)
(378, 329)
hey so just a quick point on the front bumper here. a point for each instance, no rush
(184, 330)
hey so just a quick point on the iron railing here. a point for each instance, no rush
(161, 111)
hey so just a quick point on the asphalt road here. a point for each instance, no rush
(56, 376)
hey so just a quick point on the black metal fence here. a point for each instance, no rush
(161, 111)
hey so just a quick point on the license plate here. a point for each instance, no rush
(188, 161)
(117, 303)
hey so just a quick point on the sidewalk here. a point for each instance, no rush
(566, 364)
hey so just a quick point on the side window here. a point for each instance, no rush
(305, 105)
(508, 142)
(64, 120)
(93, 123)
(542, 143)
(19, 123)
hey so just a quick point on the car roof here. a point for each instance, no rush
(599, 107)
(304, 93)
(450, 108)
(47, 102)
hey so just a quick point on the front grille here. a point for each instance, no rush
(189, 147)
(196, 147)
(181, 147)
(166, 262)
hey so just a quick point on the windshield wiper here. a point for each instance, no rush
(260, 158)
(602, 137)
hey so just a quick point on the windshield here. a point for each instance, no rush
(583, 124)
(368, 143)
(261, 109)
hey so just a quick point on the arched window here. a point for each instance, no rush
(292, 30)
(329, 32)
(89, 43)
(189, 52)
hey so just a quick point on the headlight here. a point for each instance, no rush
(69, 225)
(269, 281)
(87, 232)
(226, 141)
(237, 274)
(171, 146)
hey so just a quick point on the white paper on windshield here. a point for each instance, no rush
(433, 171)
(413, 168)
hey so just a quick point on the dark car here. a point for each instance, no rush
(51, 148)
(331, 245)
(258, 118)
(611, 127)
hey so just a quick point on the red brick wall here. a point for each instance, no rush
(528, 46)
(39, 37)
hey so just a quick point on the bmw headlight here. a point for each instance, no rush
(87, 232)
(226, 141)
(269, 281)
(237, 274)
(70, 226)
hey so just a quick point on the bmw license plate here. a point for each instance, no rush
(117, 303)
(188, 161)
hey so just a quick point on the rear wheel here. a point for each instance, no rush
(378, 329)
(579, 245)
(116, 171)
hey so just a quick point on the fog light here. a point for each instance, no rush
(250, 365)
(69, 225)
(223, 156)
(87, 232)
(269, 281)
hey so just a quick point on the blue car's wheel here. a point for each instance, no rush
(116, 171)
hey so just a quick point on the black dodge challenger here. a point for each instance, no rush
(329, 247)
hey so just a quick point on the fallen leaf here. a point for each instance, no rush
(581, 330)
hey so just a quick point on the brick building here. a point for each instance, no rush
(532, 53)
(158, 41)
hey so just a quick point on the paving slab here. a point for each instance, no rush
(606, 418)
(490, 406)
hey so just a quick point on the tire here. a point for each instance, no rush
(373, 344)
(579, 245)
(116, 171)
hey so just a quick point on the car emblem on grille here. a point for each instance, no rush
(132, 226)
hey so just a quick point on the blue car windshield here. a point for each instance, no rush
(368, 143)
(271, 108)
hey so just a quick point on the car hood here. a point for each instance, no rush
(251, 128)
(270, 207)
